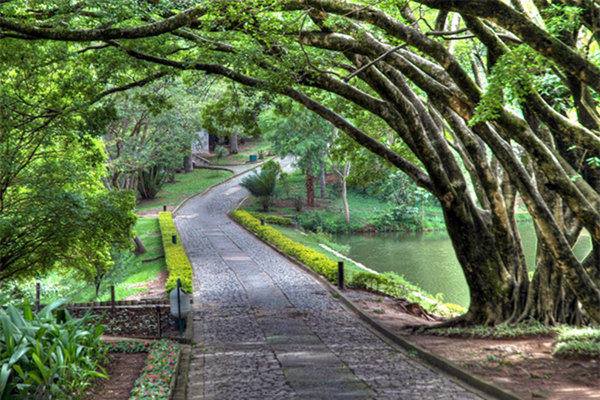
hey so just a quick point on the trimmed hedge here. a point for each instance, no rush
(316, 261)
(177, 262)
(274, 219)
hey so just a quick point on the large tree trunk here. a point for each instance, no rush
(188, 166)
(491, 288)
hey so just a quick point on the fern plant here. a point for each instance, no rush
(263, 184)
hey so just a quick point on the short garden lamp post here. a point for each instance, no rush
(180, 305)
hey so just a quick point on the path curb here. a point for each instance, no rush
(481, 387)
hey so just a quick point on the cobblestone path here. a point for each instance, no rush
(264, 329)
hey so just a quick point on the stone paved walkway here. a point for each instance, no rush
(267, 330)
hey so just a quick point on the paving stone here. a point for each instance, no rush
(264, 329)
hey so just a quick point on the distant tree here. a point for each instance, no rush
(342, 168)
(151, 133)
(295, 131)
(233, 114)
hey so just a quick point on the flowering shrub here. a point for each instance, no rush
(155, 380)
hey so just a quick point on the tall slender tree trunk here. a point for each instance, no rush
(322, 177)
(233, 145)
(310, 188)
(345, 200)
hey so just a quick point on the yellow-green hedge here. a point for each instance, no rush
(309, 257)
(274, 219)
(177, 262)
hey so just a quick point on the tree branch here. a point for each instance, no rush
(153, 29)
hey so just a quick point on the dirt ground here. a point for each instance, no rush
(525, 367)
(123, 369)
(155, 288)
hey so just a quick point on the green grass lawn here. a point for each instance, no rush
(131, 270)
(253, 147)
(185, 185)
(128, 270)
(313, 241)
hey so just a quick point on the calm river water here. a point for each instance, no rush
(428, 259)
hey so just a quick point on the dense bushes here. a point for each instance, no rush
(177, 262)
(311, 258)
(326, 221)
(578, 342)
(47, 357)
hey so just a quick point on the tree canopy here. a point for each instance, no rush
(497, 96)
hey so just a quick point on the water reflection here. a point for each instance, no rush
(428, 259)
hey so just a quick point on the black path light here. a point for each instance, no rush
(340, 275)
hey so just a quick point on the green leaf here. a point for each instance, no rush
(4, 375)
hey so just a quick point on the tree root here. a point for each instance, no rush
(461, 320)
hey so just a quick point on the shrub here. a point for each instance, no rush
(398, 218)
(578, 342)
(263, 184)
(220, 152)
(311, 258)
(151, 181)
(44, 356)
(177, 262)
(325, 221)
(298, 203)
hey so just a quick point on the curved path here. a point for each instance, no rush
(264, 329)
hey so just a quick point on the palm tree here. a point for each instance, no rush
(263, 184)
